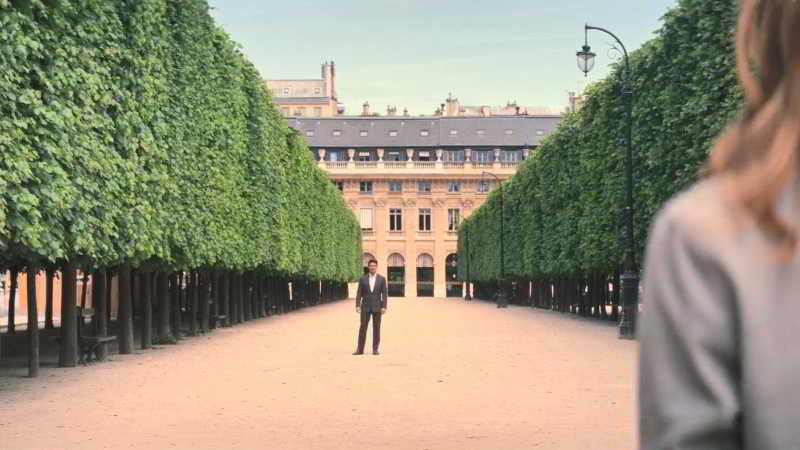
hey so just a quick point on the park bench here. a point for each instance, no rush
(217, 320)
(87, 344)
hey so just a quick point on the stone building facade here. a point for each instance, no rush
(308, 97)
(411, 180)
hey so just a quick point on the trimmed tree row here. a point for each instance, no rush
(564, 209)
(136, 141)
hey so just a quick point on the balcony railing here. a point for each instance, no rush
(451, 165)
(482, 164)
(454, 164)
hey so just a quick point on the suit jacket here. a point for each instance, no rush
(719, 359)
(372, 301)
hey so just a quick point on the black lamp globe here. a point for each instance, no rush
(585, 60)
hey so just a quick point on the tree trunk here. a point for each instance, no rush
(162, 288)
(216, 295)
(226, 298)
(239, 284)
(110, 274)
(68, 354)
(33, 325)
(240, 295)
(245, 287)
(203, 285)
(177, 310)
(125, 314)
(12, 302)
(84, 288)
(100, 315)
(194, 302)
(48, 307)
(145, 281)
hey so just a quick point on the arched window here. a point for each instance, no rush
(424, 275)
(396, 271)
(424, 260)
(396, 260)
(454, 287)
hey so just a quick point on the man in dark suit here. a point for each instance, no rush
(371, 300)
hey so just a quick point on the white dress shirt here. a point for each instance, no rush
(372, 282)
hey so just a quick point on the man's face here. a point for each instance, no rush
(373, 268)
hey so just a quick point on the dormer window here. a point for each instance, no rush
(509, 132)
(424, 132)
(337, 132)
(453, 132)
(363, 133)
(393, 133)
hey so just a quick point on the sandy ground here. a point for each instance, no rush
(451, 375)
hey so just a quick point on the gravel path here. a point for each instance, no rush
(451, 375)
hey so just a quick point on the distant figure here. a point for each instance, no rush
(371, 300)
(720, 330)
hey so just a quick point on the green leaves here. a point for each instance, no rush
(135, 132)
(564, 207)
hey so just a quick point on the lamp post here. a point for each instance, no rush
(467, 297)
(502, 298)
(629, 277)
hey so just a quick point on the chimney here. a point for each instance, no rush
(452, 106)
(391, 110)
(365, 109)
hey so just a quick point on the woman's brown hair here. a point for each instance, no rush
(760, 150)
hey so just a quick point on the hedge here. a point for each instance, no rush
(564, 208)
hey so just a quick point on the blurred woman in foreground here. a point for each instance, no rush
(720, 332)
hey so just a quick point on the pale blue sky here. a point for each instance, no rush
(412, 53)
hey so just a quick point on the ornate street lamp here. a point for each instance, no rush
(467, 297)
(629, 277)
(585, 56)
(502, 297)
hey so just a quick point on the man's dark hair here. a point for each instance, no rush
(372, 261)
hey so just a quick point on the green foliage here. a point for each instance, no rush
(564, 207)
(135, 132)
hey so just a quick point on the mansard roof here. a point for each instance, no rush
(425, 131)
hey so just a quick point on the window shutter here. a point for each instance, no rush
(366, 218)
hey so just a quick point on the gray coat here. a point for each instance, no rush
(720, 329)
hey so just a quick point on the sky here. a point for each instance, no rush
(413, 53)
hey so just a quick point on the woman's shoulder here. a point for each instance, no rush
(703, 211)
